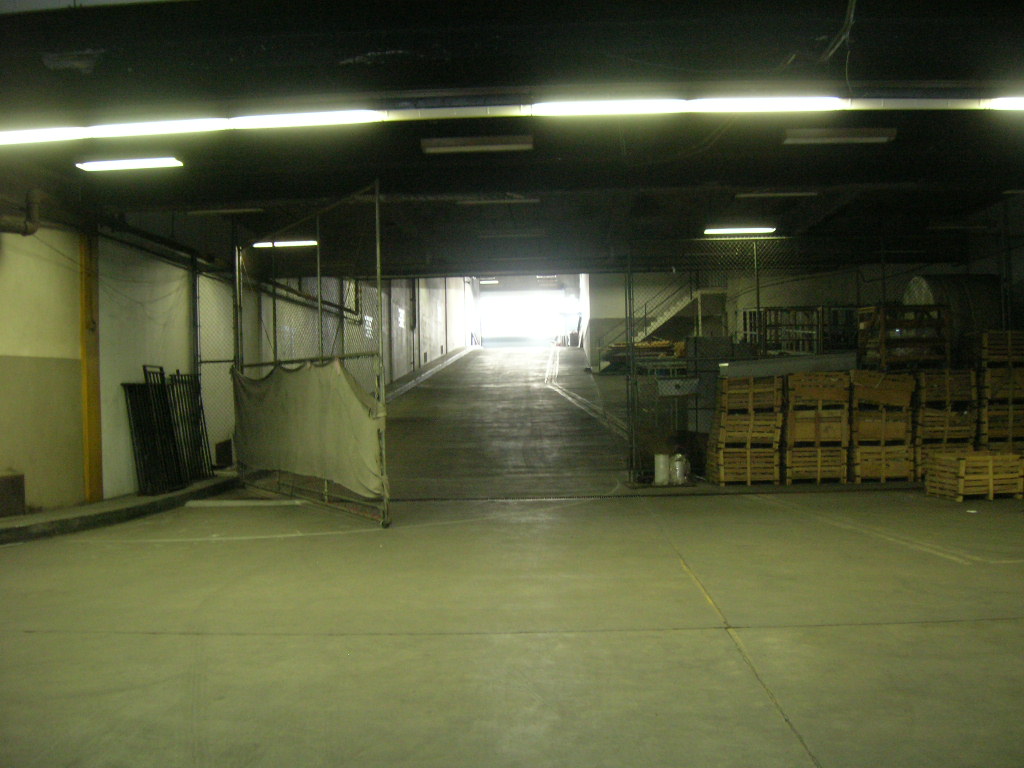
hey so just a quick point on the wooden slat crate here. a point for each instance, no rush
(819, 463)
(1003, 383)
(1001, 347)
(903, 336)
(942, 424)
(746, 428)
(924, 451)
(874, 388)
(981, 473)
(763, 393)
(946, 387)
(1002, 446)
(1001, 421)
(817, 427)
(743, 465)
(881, 425)
(818, 389)
(881, 462)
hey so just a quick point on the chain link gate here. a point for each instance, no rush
(680, 326)
(282, 306)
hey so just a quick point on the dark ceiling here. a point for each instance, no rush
(593, 191)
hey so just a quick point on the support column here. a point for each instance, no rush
(89, 314)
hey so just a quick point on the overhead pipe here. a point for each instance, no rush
(29, 224)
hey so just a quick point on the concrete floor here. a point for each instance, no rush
(864, 628)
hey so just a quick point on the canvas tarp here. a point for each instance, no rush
(313, 421)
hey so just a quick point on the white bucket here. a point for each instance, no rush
(661, 469)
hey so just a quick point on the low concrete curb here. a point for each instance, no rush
(40, 525)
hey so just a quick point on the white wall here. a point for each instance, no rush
(40, 366)
(145, 319)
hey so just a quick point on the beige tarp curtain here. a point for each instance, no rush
(312, 421)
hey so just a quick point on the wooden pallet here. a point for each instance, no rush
(743, 465)
(1003, 383)
(818, 389)
(819, 463)
(746, 428)
(1002, 446)
(1001, 347)
(924, 451)
(981, 473)
(943, 424)
(946, 387)
(881, 462)
(1001, 421)
(875, 388)
(880, 425)
(763, 393)
(817, 427)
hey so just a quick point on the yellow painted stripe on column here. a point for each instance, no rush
(88, 247)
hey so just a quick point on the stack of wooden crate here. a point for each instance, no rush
(881, 426)
(816, 430)
(1001, 387)
(945, 415)
(978, 473)
(743, 446)
(902, 337)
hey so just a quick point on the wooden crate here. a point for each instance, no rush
(1001, 347)
(944, 424)
(743, 465)
(981, 473)
(946, 387)
(818, 389)
(818, 463)
(763, 393)
(1003, 384)
(881, 462)
(746, 428)
(903, 336)
(924, 451)
(1002, 446)
(875, 388)
(1001, 421)
(817, 427)
(881, 425)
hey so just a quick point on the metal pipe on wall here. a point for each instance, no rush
(381, 385)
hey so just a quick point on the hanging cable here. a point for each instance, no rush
(843, 36)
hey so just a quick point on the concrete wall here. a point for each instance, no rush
(433, 335)
(40, 366)
(145, 319)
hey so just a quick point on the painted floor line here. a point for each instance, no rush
(948, 553)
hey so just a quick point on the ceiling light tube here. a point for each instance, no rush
(739, 230)
(461, 144)
(1007, 103)
(132, 164)
(839, 135)
(772, 195)
(609, 107)
(286, 244)
(489, 282)
(769, 104)
(306, 119)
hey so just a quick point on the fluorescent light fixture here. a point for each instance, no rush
(306, 119)
(489, 282)
(769, 104)
(286, 244)
(609, 107)
(132, 164)
(547, 277)
(510, 200)
(739, 230)
(223, 211)
(197, 125)
(772, 195)
(1007, 102)
(461, 144)
(839, 135)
